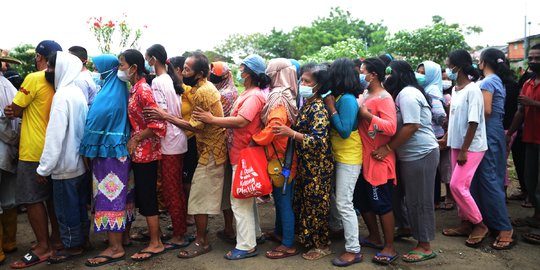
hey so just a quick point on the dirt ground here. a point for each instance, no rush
(453, 254)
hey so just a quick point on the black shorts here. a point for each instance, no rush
(191, 159)
(377, 199)
(145, 175)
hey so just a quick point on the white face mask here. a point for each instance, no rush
(446, 84)
(123, 75)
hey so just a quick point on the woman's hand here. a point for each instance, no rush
(282, 130)
(380, 153)
(132, 145)
(443, 144)
(462, 157)
(202, 115)
(155, 113)
(330, 102)
(365, 113)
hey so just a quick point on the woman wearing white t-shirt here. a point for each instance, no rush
(167, 88)
(467, 138)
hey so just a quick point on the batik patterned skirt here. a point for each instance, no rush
(113, 194)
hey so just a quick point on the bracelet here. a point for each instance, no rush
(294, 135)
(388, 147)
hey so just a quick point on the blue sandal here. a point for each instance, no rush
(357, 258)
(366, 243)
(384, 259)
(237, 254)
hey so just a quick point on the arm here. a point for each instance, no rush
(56, 132)
(13, 110)
(386, 123)
(276, 117)
(135, 140)
(516, 122)
(160, 114)
(488, 99)
(318, 135)
(344, 119)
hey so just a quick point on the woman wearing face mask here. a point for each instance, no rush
(280, 110)
(221, 76)
(418, 154)
(105, 142)
(347, 149)
(376, 127)
(244, 122)
(311, 199)
(144, 147)
(487, 187)
(167, 87)
(466, 117)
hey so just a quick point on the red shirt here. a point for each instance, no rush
(141, 97)
(531, 127)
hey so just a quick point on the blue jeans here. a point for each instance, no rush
(346, 177)
(284, 214)
(70, 199)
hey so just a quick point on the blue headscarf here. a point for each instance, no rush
(107, 125)
(433, 79)
(296, 64)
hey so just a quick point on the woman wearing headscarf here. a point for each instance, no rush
(280, 110)
(221, 76)
(434, 88)
(105, 143)
(9, 140)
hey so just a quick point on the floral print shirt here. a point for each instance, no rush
(141, 97)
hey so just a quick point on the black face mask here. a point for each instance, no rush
(215, 79)
(49, 76)
(535, 67)
(191, 81)
(390, 84)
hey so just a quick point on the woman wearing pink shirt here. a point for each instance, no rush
(377, 125)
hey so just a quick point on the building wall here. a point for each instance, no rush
(515, 51)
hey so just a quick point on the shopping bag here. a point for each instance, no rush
(251, 177)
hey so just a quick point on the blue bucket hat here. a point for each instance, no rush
(255, 63)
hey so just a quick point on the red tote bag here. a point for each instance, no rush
(251, 178)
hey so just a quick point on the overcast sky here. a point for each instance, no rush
(202, 24)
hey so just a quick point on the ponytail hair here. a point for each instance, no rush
(462, 59)
(160, 54)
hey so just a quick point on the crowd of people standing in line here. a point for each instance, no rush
(373, 137)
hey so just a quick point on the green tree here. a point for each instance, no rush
(238, 45)
(339, 25)
(276, 44)
(25, 53)
(432, 42)
(350, 48)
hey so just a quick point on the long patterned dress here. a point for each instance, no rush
(315, 170)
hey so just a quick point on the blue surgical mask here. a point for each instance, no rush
(451, 74)
(239, 77)
(306, 91)
(150, 68)
(363, 81)
(96, 77)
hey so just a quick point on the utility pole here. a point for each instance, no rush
(525, 42)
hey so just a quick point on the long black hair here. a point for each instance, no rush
(462, 59)
(402, 76)
(344, 78)
(158, 51)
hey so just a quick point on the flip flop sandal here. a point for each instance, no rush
(29, 259)
(479, 237)
(455, 232)
(388, 259)
(366, 243)
(108, 259)
(173, 246)
(510, 240)
(357, 258)
(237, 254)
(526, 221)
(320, 253)
(271, 236)
(283, 254)
(423, 256)
(152, 254)
(193, 250)
(62, 256)
(531, 238)
(447, 206)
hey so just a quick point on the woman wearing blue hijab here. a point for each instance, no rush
(105, 143)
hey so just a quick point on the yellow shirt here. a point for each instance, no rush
(211, 139)
(35, 96)
(187, 106)
(347, 151)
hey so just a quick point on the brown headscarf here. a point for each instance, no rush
(283, 88)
